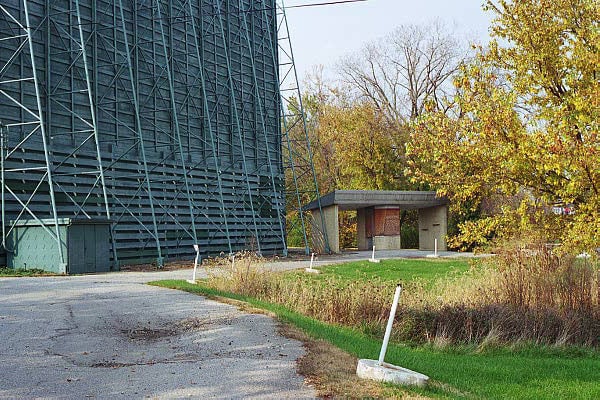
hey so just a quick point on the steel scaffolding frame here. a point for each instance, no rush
(298, 157)
(69, 89)
(162, 116)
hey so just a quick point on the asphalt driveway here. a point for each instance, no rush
(113, 337)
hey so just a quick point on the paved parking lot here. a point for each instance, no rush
(111, 336)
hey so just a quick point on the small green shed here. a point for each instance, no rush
(85, 246)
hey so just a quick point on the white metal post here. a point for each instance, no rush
(388, 329)
(311, 269)
(373, 259)
(197, 249)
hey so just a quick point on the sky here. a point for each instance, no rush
(322, 35)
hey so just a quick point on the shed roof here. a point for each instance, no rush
(356, 199)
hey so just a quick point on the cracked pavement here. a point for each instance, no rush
(112, 336)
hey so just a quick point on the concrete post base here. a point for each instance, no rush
(370, 369)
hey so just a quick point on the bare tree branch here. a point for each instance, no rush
(406, 70)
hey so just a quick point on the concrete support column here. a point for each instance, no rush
(433, 224)
(332, 228)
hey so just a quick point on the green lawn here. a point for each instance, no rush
(394, 271)
(530, 373)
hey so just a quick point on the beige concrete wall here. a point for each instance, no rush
(332, 228)
(433, 224)
(387, 242)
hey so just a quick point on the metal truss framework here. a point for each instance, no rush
(26, 137)
(302, 185)
(161, 116)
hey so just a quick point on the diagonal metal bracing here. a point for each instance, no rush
(260, 116)
(154, 106)
(161, 113)
(28, 125)
(179, 17)
(79, 129)
(175, 121)
(236, 124)
(76, 133)
(199, 87)
(156, 101)
(186, 113)
(297, 153)
(114, 42)
(296, 141)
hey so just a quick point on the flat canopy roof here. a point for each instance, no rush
(356, 199)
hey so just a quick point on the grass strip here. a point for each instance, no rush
(394, 270)
(10, 272)
(527, 374)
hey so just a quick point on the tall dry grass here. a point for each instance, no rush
(331, 300)
(522, 295)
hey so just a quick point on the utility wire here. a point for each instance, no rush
(328, 3)
(225, 13)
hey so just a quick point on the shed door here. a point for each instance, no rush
(102, 247)
(82, 249)
(77, 251)
(89, 248)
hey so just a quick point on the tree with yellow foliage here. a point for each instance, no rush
(523, 125)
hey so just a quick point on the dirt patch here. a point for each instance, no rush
(170, 266)
(195, 324)
(332, 372)
(148, 334)
(167, 330)
(112, 365)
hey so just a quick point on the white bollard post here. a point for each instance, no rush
(388, 329)
(232, 261)
(435, 250)
(197, 249)
(311, 269)
(373, 259)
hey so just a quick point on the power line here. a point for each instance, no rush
(252, 10)
(329, 3)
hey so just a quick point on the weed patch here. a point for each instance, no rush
(523, 295)
(24, 272)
